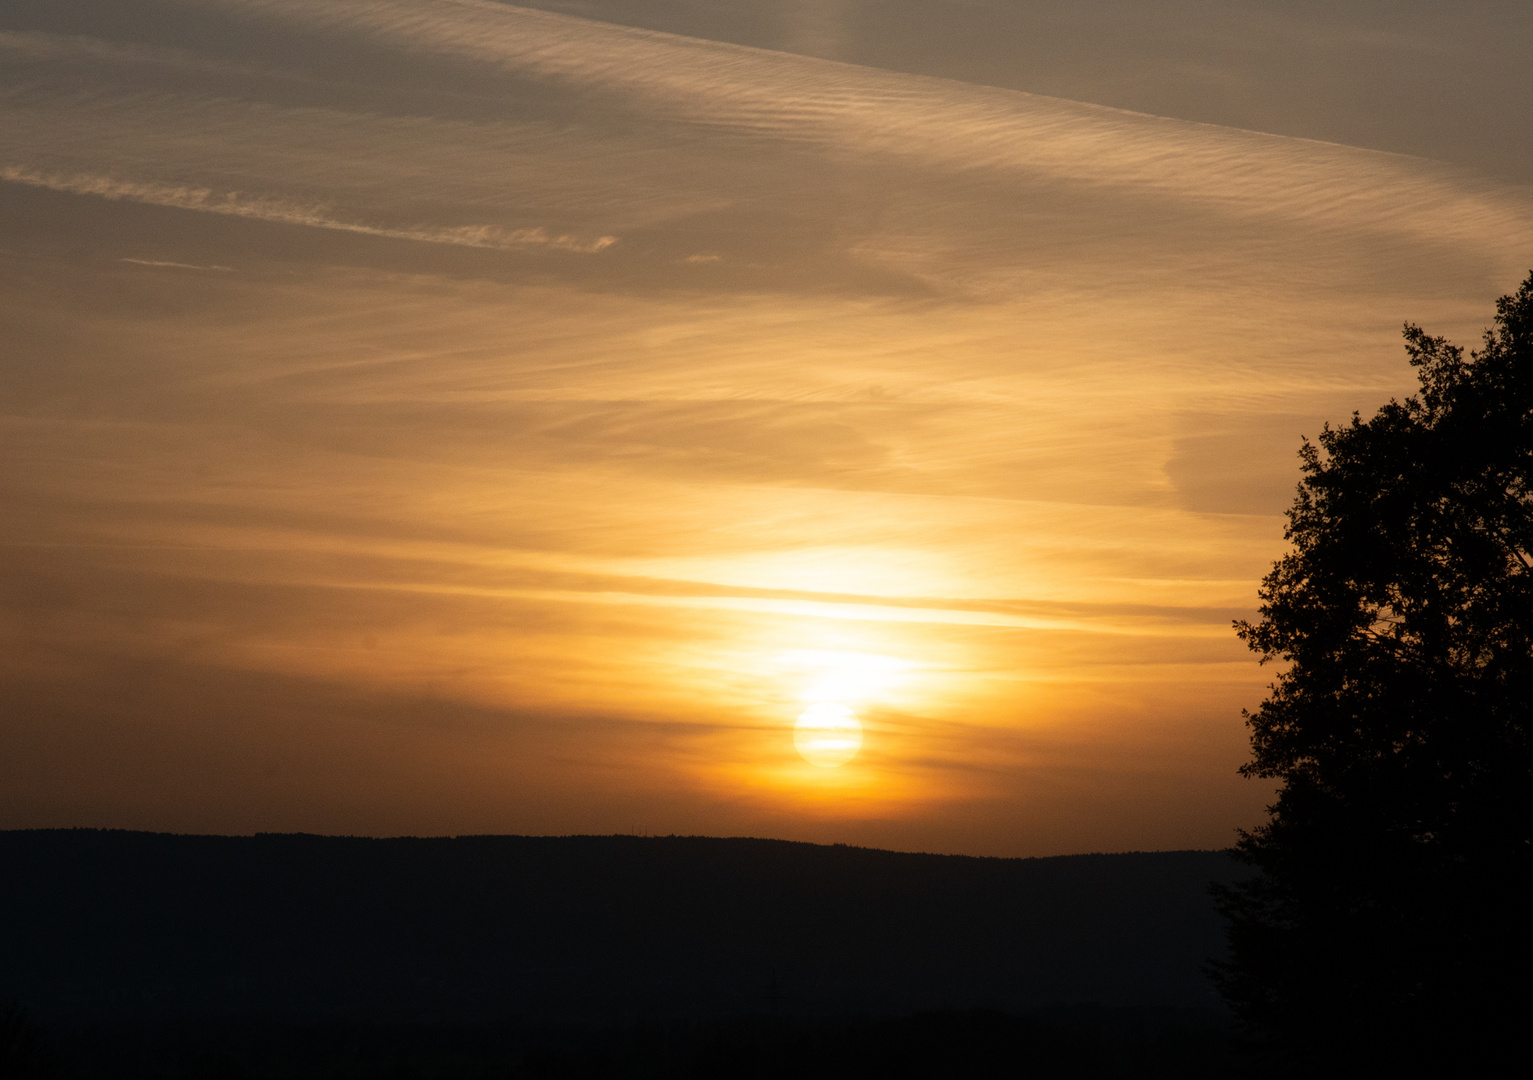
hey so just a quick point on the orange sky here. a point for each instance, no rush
(436, 416)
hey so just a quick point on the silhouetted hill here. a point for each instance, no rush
(115, 925)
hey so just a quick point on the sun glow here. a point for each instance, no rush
(827, 734)
(836, 676)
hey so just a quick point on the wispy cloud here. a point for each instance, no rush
(236, 204)
(605, 113)
(173, 265)
(936, 122)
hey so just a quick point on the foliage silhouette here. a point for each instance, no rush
(1390, 917)
(24, 1053)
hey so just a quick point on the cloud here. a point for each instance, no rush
(173, 265)
(616, 131)
(935, 122)
(282, 212)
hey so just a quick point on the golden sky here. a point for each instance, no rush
(439, 416)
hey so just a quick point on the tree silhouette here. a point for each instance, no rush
(24, 1054)
(1391, 915)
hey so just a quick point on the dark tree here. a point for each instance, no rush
(1391, 915)
(24, 1054)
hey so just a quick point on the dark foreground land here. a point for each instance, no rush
(141, 954)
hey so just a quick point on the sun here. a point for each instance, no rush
(827, 734)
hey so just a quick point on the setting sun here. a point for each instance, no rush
(827, 734)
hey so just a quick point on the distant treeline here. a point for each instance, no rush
(107, 925)
(1083, 1042)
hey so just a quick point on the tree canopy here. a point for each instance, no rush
(1391, 913)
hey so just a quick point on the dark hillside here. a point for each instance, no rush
(115, 925)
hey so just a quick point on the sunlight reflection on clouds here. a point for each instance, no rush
(968, 410)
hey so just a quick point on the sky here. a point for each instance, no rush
(443, 416)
